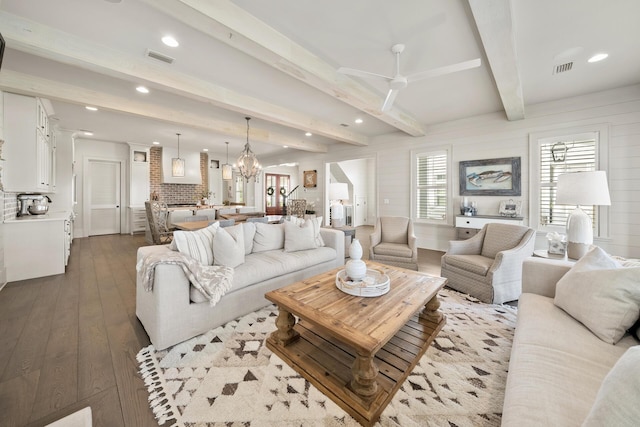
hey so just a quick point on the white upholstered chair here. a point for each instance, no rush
(393, 242)
(488, 266)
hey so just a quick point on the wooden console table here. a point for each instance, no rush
(342, 342)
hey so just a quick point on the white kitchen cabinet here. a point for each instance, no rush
(37, 245)
(28, 149)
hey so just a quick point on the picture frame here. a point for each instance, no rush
(310, 179)
(490, 177)
(511, 208)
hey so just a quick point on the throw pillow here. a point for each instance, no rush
(196, 244)
(249, 230)
(268, 237)
(299, 237)
(601, 294)
(228, 246)
(316, 223)
(617, 399)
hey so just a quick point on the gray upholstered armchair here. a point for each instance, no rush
(393, 242)
(488, 266)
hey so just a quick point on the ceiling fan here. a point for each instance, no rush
(399, 81)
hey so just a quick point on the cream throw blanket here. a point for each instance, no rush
(213, 281)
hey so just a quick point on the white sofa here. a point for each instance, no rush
(557, 364)
(175, 311)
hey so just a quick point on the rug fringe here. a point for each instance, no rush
(150, 373)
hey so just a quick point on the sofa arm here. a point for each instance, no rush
(334, 239)
(540, 275)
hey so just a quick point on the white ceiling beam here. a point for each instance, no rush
(232, 25)
(36, 86)
(37, 39)
(495, 25)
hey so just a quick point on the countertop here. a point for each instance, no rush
(49, 216)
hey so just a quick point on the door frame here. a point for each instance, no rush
(86, 196)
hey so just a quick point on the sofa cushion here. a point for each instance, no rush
(228, 246)
(601, 294)
(249, 231)
(268, 237)
(476, 264)
(266, 265)
(197, 244)
(617, 400)
(299, 237)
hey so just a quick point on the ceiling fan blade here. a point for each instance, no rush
(388, 101)
(360, 73)
(448, 69)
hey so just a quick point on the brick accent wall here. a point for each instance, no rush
(176, 193)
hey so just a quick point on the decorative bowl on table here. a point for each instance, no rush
(374, 284)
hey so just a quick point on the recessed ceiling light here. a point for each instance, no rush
(285, 146)
(358, 120)
(90, 108)
(142, 89)
(88, 133)
(156, 143)
(205, 149)
(308, 134)
(170, 41)
(598, 57)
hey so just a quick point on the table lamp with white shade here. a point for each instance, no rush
(581, 188)
(338, 191)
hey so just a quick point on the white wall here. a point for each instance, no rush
(492, 136)
(102, 150)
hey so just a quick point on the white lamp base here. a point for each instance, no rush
(337, 215)
(579, 234)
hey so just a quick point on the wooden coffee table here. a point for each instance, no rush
(356, 350)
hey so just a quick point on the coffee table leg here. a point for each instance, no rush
(364, 375)
(431, 310)
(285, 333)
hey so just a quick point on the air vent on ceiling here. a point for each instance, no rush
(562, 68)
(160, 56)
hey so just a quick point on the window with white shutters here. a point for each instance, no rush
(431, 189)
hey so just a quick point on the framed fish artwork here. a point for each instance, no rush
(490, 177)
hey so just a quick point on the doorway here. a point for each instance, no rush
(103, 197)
(276, 187)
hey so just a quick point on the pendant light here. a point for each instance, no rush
(248, 162)
(227, 169)
(177, 164)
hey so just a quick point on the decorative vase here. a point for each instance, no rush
(356, 268)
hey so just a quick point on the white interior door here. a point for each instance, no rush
(360, 211)
(104, 197)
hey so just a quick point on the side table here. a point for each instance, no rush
(543, 253)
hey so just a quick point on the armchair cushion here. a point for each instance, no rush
(393, 249)
(476, 264)
(394, 229)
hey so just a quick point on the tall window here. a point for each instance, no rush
(431, 186)
(557, 155)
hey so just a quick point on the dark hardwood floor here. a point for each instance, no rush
(70, 341)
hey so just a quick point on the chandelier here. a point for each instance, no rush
(177, 164)
(248, 162)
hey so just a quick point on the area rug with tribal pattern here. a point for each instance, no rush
(227, 376)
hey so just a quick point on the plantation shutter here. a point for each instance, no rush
(431, 185)
(557, 158)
